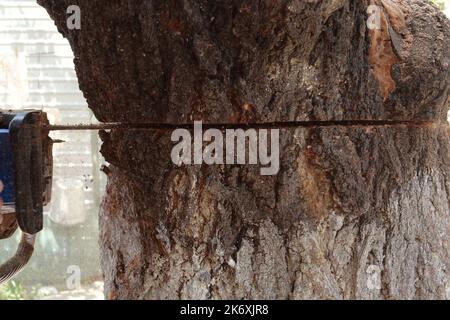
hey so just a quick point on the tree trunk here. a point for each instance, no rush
(356, 211)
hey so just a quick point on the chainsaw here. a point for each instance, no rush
(26, 181)
(26, 163)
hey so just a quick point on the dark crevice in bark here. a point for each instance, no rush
(259, 125)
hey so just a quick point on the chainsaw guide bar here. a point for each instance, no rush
(262, 125)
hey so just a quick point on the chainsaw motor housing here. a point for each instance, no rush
(6, 172)
(26, 167)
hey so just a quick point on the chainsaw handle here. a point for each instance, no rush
(23, 255)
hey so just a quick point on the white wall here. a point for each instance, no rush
(37, 72)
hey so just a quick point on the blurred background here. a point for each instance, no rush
(37, 72)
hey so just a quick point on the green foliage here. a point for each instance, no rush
(439, 3)
(16, 291)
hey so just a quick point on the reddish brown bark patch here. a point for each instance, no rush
(388, 44)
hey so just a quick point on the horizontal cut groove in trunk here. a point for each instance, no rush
(262, 125)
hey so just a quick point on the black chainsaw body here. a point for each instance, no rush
(26, 160)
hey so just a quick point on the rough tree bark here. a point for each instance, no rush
(348, 200)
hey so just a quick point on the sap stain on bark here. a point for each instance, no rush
(388, 43)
